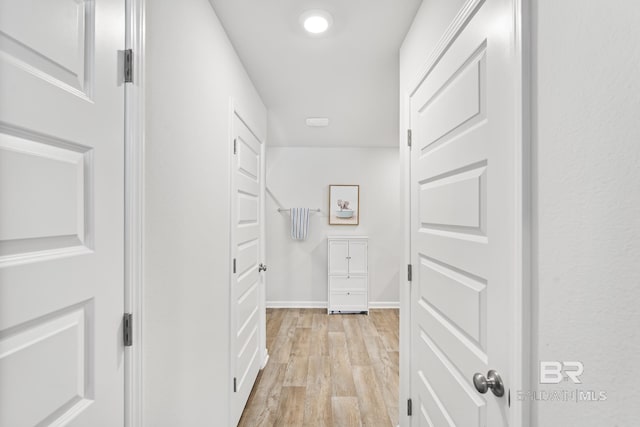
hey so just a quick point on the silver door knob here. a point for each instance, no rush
(262, 267)
(491, 381)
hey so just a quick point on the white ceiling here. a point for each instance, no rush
(349, 75)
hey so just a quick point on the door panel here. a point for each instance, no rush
(246, 281)
(357, 257)
(61, 213)
(456, 401)
(463, 118)
(455, 201)
(247, 256)
(59, 51)
(339, 257)
(63, 336)
(440, 286)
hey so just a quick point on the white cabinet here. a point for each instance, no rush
(348, 274)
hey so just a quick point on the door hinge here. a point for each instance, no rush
(128, 66)
(235, 388)
(409, 137)
(234, 266)
(409, 272)
(409, 407)
(127, 329)
(235, 146)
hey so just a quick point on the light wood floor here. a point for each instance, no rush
(327, 370)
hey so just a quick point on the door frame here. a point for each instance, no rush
(236, 110)
(135, 140)
(134, 211)
(520, 333)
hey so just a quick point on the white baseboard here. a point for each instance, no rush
(323, 304)
(384, 304)
(296, 304)
(266, 359)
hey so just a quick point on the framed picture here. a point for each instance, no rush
(344, 204)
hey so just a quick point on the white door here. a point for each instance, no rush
(463, 206)
(246, 275)
(61, 213)
(339, 257)
(358, 257)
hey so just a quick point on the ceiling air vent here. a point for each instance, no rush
(317, 122)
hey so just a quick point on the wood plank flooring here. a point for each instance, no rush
(327, 370)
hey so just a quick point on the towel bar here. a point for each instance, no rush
(287, 210)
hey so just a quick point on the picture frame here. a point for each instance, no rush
(344, 204)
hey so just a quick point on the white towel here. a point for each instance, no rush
(299, 223)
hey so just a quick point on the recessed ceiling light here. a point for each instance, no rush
(316, 21)
(316, 24)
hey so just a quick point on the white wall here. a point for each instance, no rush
(587, 176)
(586, 196)
(300, 177)
(192, 71)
